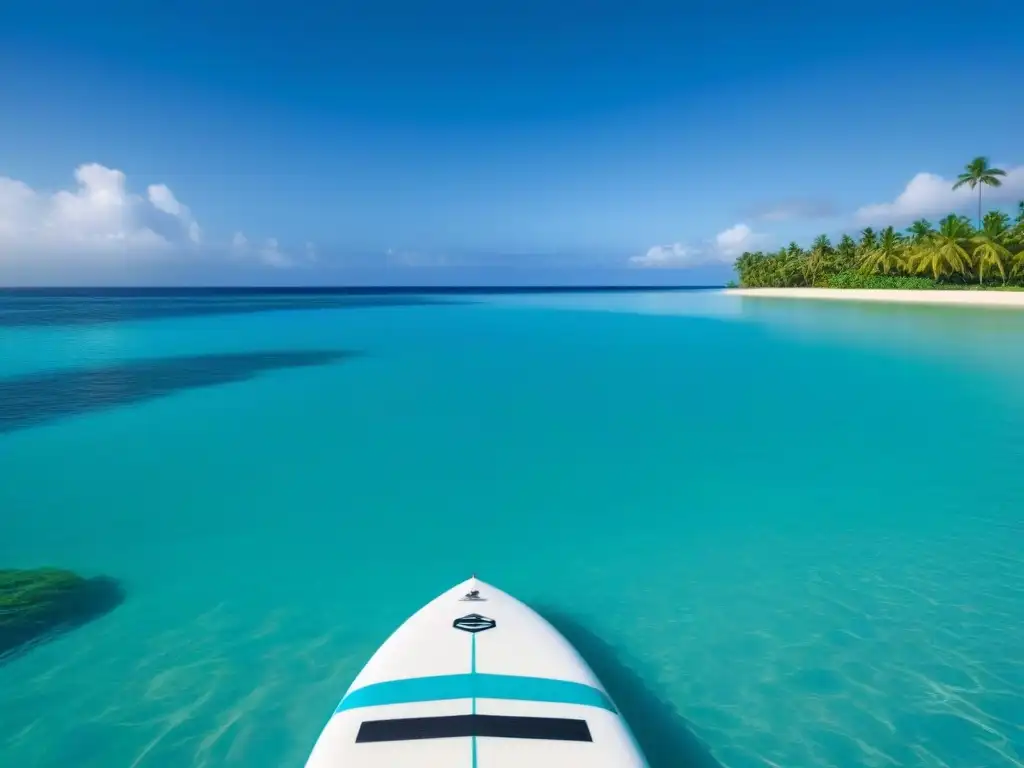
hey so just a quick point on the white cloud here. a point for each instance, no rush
(100, 223)
(161, 197)
(731, 242)
(272, 256)
(98, 219)
(673, 255)
(928, 194)
(269, 253)
(727, 245)
(18, 204)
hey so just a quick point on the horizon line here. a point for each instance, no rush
(359, 288)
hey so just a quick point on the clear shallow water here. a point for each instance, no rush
(783, 533)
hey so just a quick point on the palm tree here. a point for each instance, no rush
(818, 260)
(954, 249)
(1018, 265)
(760, 270)
(1018, 225)
(945, 251)
(887, 255)
(814, 265)
(846, 253)
(997, 222)
(868, 241)
(979, 173)
(788, 266)
(990, 253)
(920, 231)
(990, 245)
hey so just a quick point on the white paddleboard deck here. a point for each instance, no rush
(476, 679)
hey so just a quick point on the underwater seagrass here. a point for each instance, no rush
(37, 604)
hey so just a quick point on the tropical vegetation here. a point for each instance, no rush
(955, 252)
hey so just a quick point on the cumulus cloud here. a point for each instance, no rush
(272, 256)
(98, 216)
(673, 255)
(733, 241)
(928, 194)
(161, 198)
(726, 246)
(18, 208)
(100, 223)
(95, 223)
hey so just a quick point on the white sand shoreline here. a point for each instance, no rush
(1002, 299)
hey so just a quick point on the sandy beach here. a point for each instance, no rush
(1008, 299)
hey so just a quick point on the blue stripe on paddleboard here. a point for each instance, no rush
(476, 686)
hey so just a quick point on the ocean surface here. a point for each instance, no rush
(783, 533)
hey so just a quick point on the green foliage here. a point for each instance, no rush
(35, 604)
(953, 254)
(868, 240)
(858, 279)
(945, 252)
(920, 231)
(888, 255)
(991, 253)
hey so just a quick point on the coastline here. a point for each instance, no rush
(1001, 299)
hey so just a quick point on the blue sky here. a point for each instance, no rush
(481, 142)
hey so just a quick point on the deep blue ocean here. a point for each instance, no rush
(783, 533)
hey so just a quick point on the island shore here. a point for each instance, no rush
(1008, 299)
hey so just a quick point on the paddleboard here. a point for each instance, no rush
(476, 679)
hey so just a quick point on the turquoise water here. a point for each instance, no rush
(783, 533)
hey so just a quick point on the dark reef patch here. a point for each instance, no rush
(33, 399)
(39, 604)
